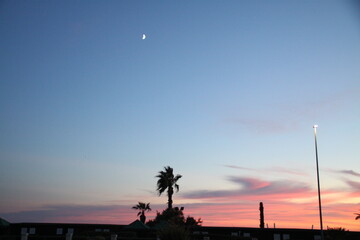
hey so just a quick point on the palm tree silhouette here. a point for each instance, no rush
(167, 180)
(142, 207)
(358, 216)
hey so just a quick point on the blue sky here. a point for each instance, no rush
(226, 93)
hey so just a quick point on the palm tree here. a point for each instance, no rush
(358, 216)
(142, 207)
(167, 180)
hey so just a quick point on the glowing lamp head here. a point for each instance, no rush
(315, 126)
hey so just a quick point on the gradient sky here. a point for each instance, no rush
(225, 92)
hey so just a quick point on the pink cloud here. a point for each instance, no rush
(288, 204)
(250, 187)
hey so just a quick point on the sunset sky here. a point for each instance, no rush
(224, 92)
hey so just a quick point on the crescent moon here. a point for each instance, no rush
(143, 36)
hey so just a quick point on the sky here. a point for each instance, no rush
(224, 92)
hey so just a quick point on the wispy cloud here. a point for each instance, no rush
(241, 168)
(354, 185)
(251, 187)
(268, 170)
(350, 172)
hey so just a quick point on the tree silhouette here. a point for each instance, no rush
(174, 216)
(337, 233)
(358, 216)
(167, 181)
(142, 207)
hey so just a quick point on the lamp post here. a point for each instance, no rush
(318, 183)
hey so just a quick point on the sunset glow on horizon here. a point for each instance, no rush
(97, 97)
(289, 204)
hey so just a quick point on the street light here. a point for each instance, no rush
(318, 183)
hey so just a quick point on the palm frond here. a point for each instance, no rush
(176, 187)
(142, 206)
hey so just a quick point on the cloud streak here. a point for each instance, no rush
(350, 172)
(274, 169)
(251, 187)
(354, 185)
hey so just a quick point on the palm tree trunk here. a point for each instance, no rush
(170, 201)
(143, 218)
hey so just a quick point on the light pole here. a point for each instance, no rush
(318, 183)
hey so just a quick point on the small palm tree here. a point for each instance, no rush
(167, 181)
(142, 207)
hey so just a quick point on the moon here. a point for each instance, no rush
(143, 37)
